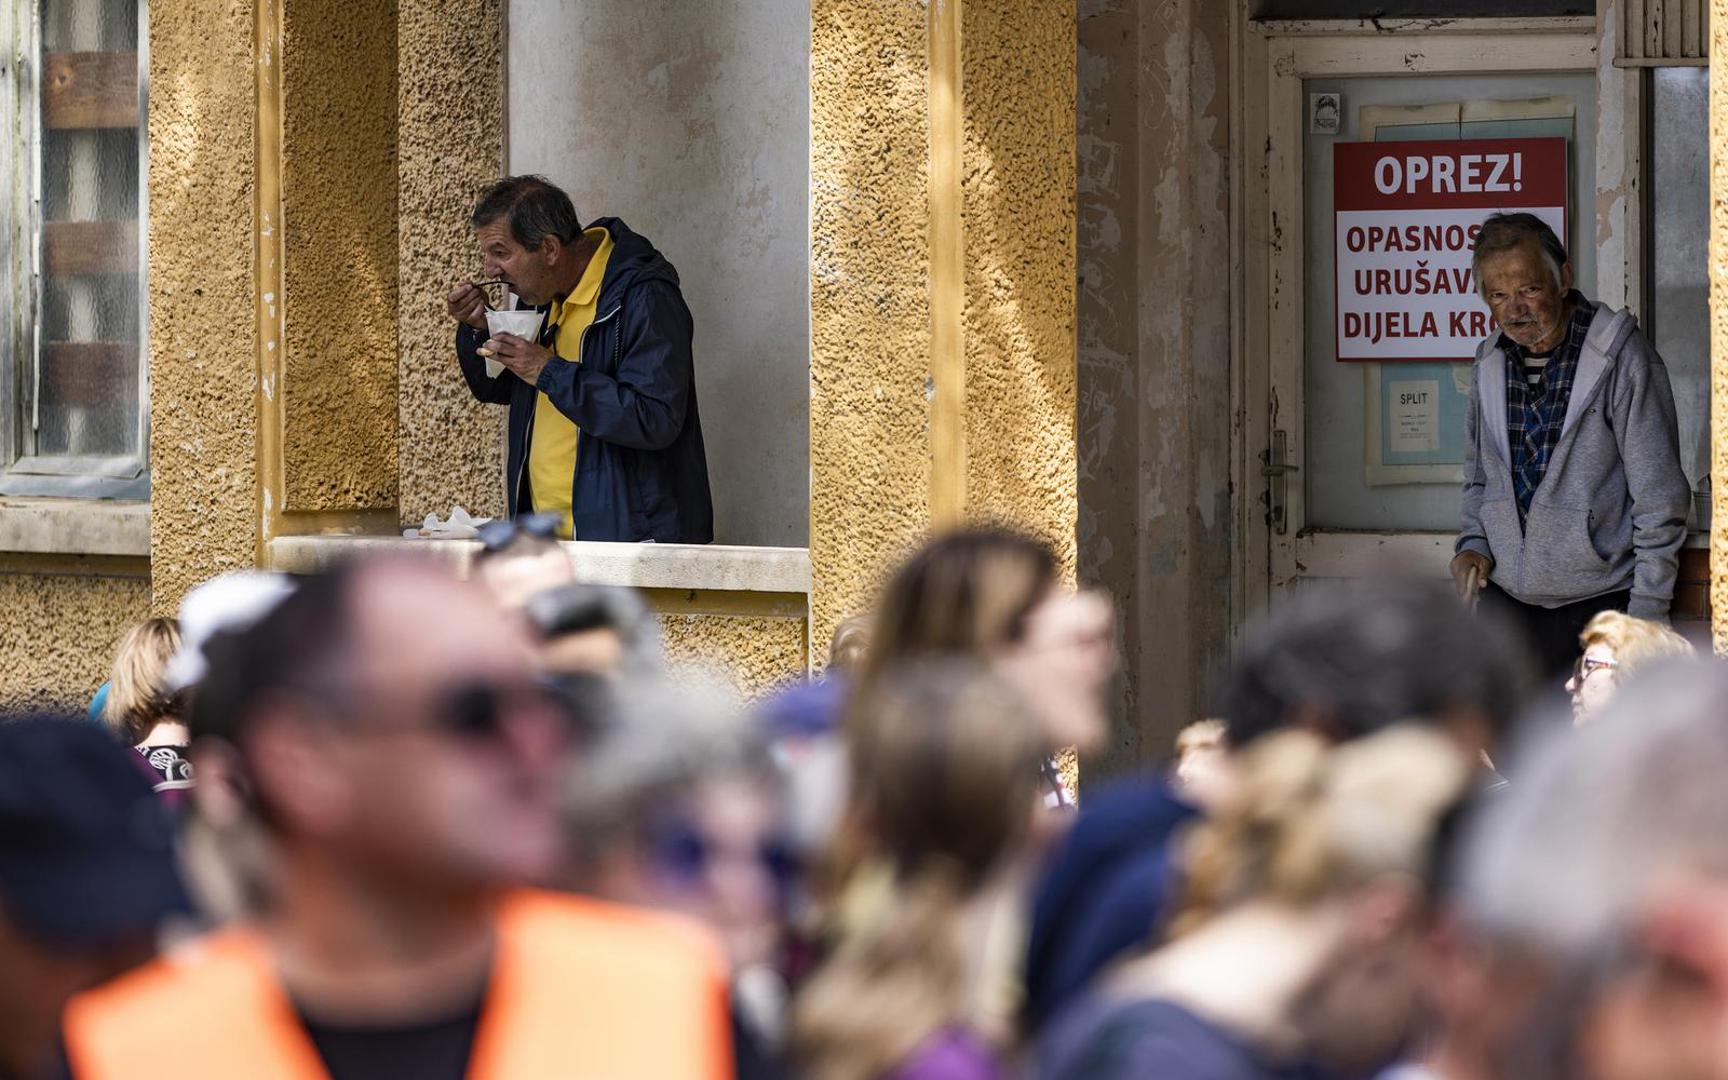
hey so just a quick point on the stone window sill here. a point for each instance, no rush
(75, 527)
(694, 567)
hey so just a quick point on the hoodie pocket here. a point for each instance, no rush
(1500, 526)
(1559, 558)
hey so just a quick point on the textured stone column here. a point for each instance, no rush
(339, 284)
(204, 230)
(451, 112)
(942, 280)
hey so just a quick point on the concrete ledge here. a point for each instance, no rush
(694, 567)
(75, 527)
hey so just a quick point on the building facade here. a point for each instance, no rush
(1067, 264)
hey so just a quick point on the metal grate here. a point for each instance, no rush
(1662, 33)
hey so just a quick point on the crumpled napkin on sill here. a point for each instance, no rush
(459, 527)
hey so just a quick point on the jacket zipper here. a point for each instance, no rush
(528, 428)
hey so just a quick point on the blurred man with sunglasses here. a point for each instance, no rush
(387, 726)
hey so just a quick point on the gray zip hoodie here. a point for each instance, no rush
(1610, 513)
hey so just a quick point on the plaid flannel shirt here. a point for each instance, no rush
(1535, 415)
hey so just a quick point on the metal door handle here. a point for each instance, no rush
(1276, 470)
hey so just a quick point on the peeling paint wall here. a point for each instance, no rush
(451, 144)
(1154, 328)
(1018, 207)
(338, 392)
(869, 298)
(1719, 324)
(690, 121)
(203, 337)
(58, 633)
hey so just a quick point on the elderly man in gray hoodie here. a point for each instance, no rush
(1574, 498)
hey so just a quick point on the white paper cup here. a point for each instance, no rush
(524, 324)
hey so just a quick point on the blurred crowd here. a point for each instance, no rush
(395, 821)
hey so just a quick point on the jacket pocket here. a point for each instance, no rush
(1500, 527)
(1560, 558)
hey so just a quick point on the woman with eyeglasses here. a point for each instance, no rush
(679, 807)
(1614, 645)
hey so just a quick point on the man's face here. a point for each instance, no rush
(1063, 666)
(447, 761)
(599, 651)
(516, 579)
(529, 272)
(1663, 1011)
(1521, 292)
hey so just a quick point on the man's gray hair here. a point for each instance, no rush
(1508, 232)
(1592, 818)
(663, 739)
(532, 206)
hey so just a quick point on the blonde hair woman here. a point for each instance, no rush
(944, 766)
(139, 709)
(1296, 948)
(1614, 645)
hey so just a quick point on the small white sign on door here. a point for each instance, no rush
(1415, 415)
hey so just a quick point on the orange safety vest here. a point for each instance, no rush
(578, 989)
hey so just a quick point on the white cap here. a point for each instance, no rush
(232, 601)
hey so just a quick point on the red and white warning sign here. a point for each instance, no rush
(1406, 219)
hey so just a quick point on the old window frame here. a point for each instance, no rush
(24, 472)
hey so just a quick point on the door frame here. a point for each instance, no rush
(1277, 57)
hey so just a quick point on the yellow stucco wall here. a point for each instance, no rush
(58, 632)
(869, 298)
(752, 653)
(1719, 324)
(451, 73)
(338, 392)
(872, 377)
(203, 414)
(1018, 211)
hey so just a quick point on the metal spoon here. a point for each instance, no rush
(483, 286)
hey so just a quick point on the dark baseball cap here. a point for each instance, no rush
(86, 848)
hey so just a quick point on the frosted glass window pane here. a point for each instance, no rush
(90, 175)
(89, 25)
(1680, 234)
(86, 381)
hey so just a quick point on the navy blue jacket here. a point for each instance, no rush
(1104, 893)
(641, 472)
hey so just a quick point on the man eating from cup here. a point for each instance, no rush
(604, 428)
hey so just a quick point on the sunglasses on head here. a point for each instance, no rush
(499, 534)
